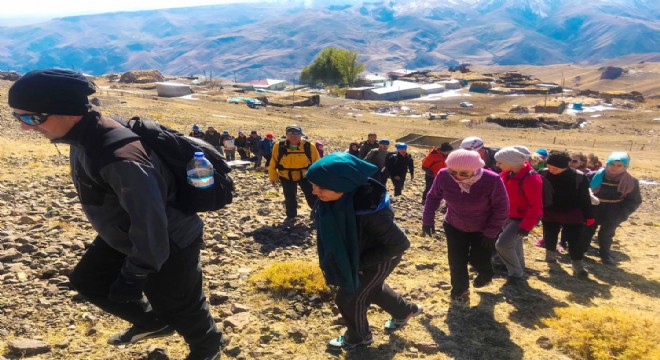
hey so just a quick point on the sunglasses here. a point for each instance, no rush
(459, 173)
(574, 161)
(31, 119)
(293, 133)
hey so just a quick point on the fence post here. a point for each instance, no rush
(554, 140)
(594, 144)
(632, 142)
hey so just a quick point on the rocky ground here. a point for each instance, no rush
(43, 233)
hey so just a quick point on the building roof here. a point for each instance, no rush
(395, 86)
(266, 82)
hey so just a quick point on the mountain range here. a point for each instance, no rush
(277, 39)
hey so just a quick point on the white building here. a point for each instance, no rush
(166, 89)
(269, 84)
(394, 90)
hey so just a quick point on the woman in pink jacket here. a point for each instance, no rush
(525, 190)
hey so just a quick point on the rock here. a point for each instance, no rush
(544, 342)
(298, 335)
(92, 331)
(238, 308)
(649, 223)
(428, 348)
(9, 75)
(218, 298)
(233, 236)
(9, 255)
(27, 347)
(611, 73)
(27, 220)
(27, 248)
(141, 76)
(233, 351)
(156, 353)
(238, 321)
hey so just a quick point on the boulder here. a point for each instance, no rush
(9, 75)
(611, 73)
(27, 347)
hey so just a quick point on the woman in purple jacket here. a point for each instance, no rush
(477, 208)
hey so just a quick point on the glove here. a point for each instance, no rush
(522, 232)
(488, 243)
(428, 230)
(590, 222)
(127, 288)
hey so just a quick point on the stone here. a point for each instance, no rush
(156, 353)
(218, 298)
(233, 236)
(238, 308)
(9, 255)
(233, 351)
(238, 321)
(27, 347)
(428, 348)
(544, 342)
(298, 335)
(27, 220)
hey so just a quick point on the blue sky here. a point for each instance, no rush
(26, 9)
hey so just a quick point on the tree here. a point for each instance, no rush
(332, 66)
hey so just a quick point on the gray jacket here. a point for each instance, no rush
(126, 194)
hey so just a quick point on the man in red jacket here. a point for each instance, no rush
(525, 191)
(432, 164)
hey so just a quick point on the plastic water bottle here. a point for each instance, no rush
(200, 171)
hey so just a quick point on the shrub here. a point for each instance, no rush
(606, 333)
(298, 276)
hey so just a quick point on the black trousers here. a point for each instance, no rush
(174, 293)
(605, 236)
(372, 290)
(429, 182)
(398, 184)
(463, 248)
(290, 195)
(572, 234)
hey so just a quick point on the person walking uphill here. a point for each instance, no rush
(398, 164)
(619, 196)
(524, 188)
(359, 245)
(378, 157)
(288, 166)
(569, 212)
(477, 208)
(143, 245)
(433, 163)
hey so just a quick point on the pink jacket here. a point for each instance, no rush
(528, 203)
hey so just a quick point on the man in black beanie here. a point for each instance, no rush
(143, 265)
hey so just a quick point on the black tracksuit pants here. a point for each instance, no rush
(398, 184)
(463, 248)
(290, 192)
(372, 290)
(175, 294)
(572, 234)
(605, 236)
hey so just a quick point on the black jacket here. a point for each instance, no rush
(398, 165)
(365, 148)
(570, 191)
(379, 236)
(126, 194)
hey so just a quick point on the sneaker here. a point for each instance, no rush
(514, 281)
(135, 334)
(341, 343)
(482, 280)
(394, 324)
(540, 243)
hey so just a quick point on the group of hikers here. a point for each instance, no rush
(143, 265)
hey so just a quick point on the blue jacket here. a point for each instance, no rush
(266, 147)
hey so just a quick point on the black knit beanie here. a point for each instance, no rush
(558, 159)
(52, 91)
(446, 147)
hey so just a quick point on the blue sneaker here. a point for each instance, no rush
(394, 324)
(340, 343)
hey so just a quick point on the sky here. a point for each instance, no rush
(30, 9)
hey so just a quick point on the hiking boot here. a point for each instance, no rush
(607, 260)
(394, 324)
(482, 280)
(289, 221)
(550, 256)
(540, 243)
(463, 299)
(340, 343)
(136, 333)
(578, 269)
(516, 281)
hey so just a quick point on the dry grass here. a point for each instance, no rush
(607, 333)
(296, 276)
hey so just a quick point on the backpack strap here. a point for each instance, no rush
(283, 151)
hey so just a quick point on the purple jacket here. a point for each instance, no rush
(485, 209)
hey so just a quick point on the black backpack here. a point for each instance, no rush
(548, 191)
(176, 150)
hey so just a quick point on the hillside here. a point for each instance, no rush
(43, 232)
(277, 39)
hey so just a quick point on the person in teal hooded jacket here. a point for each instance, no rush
(359, 245)
(619, 197)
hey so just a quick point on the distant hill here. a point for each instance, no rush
(277, 39)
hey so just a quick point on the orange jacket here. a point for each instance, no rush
(434, 162)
